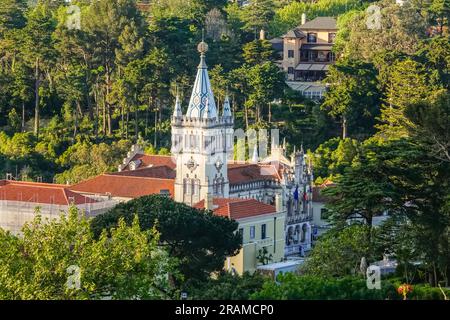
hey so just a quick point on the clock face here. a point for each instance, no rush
(191, 164)
(218, 165)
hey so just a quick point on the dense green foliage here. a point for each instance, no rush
(116, 78)
(339, 252)
(294, 287)
(200, 240)
(227, 287)
(62, 260)
(291, 286)
(73, 101)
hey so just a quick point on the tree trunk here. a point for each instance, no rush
(23, 116)
(344, 127)
(246, 116)
(122, 116)
(127, 123)
(156, 124)
(270, 113)
(104, 116)
(109, 121)
(75, 122)
(107, 105)
(136, 124)
(97, 111)
(36, 104)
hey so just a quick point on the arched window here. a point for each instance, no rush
(297, 234)
(186, 188)
(195, 187)
(304, 232)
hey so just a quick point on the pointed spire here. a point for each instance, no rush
(255, 154)
(227, 108)
(177, 113)
(202, 103)
(208, 110)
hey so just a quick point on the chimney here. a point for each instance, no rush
(278, 203)
(262, 35)
(303, 18)
(209, 202)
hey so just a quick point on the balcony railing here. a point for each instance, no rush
(261, 242)
(297, 218)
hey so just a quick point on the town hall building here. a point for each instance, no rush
(269, 196)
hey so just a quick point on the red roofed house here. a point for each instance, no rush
(261, 226)
(127, 185)
(19, 200)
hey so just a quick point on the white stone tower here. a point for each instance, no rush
(202, 142)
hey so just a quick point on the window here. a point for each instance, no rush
(164, 192)
(313, 55)
(331, 37)
(330, 57)
(263, 231)
(312, 37)
(290, 53)
(304, 55)
(241, 233)
(186, 186)
(290, 70)
(252, 232)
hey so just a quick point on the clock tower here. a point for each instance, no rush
(202, 142)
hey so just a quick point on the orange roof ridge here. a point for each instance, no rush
(35, 184)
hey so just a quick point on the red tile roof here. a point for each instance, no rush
(153, 160)
(46, 193)
(327, 183)
(237, 172)
(235, 208)
(162, 172)
(248, 172)
(124, 186)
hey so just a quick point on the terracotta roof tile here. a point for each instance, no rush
(124, 186)
(242, 173)
(161, 172)
(153, 160)
(237, 172)
(235, 208)
(47, 193)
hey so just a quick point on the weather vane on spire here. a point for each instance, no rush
(202, 46)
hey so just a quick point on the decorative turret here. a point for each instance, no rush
(202, 142)
(255, 154)
(227, 108)
(202, 104)
(177, 113)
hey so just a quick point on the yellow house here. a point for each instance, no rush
(261, 227)
(307, 55)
